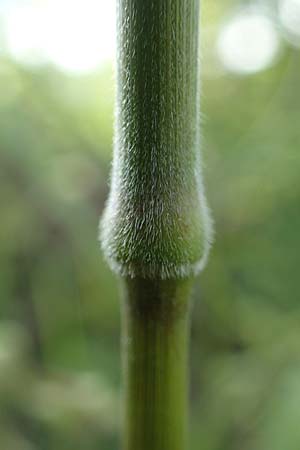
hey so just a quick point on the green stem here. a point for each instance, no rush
(155, 344)
(156, 224)
(155, 229)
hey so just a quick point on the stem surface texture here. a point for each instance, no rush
(155, 342)
(155, 230)
(156, 223)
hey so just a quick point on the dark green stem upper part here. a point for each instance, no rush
(156, 223)
(155, 341)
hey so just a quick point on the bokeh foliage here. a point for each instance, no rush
(59, 328)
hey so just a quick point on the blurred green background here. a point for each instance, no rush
(59, 325)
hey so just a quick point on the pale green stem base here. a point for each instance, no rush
(155, 333)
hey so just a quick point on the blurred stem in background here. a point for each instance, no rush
(155, 229)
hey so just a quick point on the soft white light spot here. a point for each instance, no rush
(248, 43)
(77, 36)
(289, 15)
(23, 31)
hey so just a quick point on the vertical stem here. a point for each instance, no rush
(156, 223)
(155, 230)
(155, 345)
